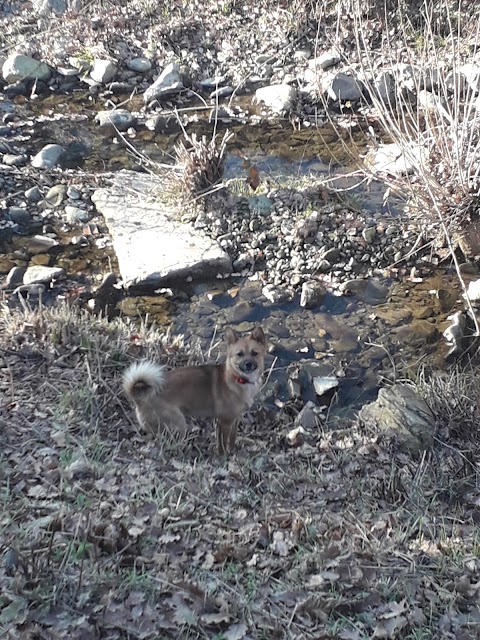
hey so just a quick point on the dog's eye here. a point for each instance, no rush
(254, 353)
(240, 354)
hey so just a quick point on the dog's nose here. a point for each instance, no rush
(249, 365)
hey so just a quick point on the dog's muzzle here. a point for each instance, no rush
(248, 366)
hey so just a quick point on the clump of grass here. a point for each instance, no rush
(200, 163)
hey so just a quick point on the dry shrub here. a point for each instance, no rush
(200, 163)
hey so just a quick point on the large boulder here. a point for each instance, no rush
(400, 414)
(19, 67)
(153, 247)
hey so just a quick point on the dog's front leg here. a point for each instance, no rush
(226, 434)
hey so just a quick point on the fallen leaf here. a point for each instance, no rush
(390, 627)
(236, 632)
(253, 178)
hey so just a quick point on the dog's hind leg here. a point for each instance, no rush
(174, 421)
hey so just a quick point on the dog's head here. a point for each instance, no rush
(246, 354)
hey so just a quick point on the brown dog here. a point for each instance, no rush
(224, 391)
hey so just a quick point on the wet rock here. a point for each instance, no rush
(103, 71)
(14, 277)
(12, 160)
(19, 215)
(168, 82)
(324, 384)
(277, 295)
(400, 413)
(393, 316)
(50, 156)
(73, 193)
(55, 196)
(6, 264)
(44, 275)
(18, 67)
(243, 310)
(368, 234)
(325, 60)
(139, 65)
(312, 294)
(455, 332)
(33, 194)
(118, 119)
(279, 98)
(40, 244)
(107, 296)
(416, 334)
(75, 215)
(41, 259)
(16, 89)
(366, 289)
(153, 248)
(346, 88)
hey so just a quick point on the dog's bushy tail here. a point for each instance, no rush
(142, 379)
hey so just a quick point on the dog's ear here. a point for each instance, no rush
(231, 336)
(258, 335)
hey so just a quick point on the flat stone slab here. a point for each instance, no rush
(154, 249)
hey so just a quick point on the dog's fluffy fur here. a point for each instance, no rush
(224, 391)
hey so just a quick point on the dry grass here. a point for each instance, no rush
(107, 534)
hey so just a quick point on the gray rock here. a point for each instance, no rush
(385, 88)
(139, 65)
(73, 193)
(307, 418)
(14, 277)
(153, 247)
(325, 60)
(209, 84)
(76, 215)
(55, 196)
(50, 156)
(59, 7)
(276, 295)
(302, 54)
(118, 119)
(15, 160)
(312, 295)
(346, 88)
(40, 244)
(19, 215)
(400, 413)
(19, 67)
(168, 82)
(279, 98)
(324, 384)
(103, 71)
(221, 92)
(368, 234)
(43, 275)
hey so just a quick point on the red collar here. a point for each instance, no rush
(240, 380)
